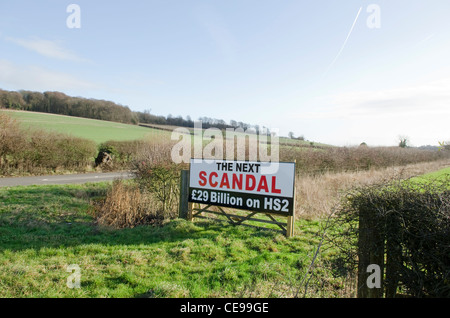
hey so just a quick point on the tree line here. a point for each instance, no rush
(62, 104)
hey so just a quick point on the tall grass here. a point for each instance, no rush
(316, 195)
(126, 206)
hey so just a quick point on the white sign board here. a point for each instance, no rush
(256, 186)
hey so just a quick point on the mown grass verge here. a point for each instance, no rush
(44, 229)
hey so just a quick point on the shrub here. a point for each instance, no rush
(12, 139)
(126, 154)
(342, 159)
(77, 152)
(23, 151)
(152, 196)
(127, 205)
(108, 148)
(50, 150)
(124, 206)
(410, 222)
(122, 152)
(154, 152)
(163, 181)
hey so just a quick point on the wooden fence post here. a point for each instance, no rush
(290, 226)
(393, 254)
(184, 207)
(370, 251)
(290, 232)
(291, 220)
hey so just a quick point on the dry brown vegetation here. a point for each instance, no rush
(151, 197)
(37, 151)
(126, 206)
(342, 159)
(316, 195)
(322, 175)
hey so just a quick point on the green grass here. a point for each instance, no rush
(96, 130)
(44, 229)
(101, 131)
(436, 175)
(440, 177)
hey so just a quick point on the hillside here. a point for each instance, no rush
(62, 104)
(101, 131)
(92, 129)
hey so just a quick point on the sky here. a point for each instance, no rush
(336, 72)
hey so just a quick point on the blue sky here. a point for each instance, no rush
(339, 72)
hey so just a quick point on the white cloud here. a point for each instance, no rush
(47, 48)
(37, 78)
(379, 116)
(430, 98)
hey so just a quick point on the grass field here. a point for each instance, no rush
(96, 130)
(44, 229)
(283, 141)
(440, 176)
(101, 131)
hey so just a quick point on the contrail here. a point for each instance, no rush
(345, 42)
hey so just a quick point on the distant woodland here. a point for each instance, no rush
(60, 103)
